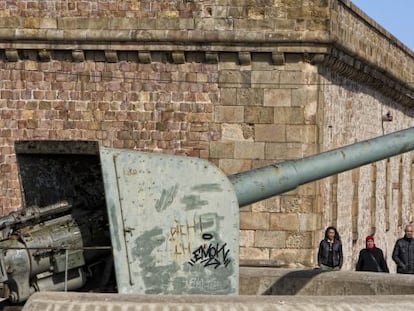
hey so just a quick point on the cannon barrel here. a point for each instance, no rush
(262, 183)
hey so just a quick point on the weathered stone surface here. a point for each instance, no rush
(229, 114)
(294, 256)
(233, 166)
(254, 253)
(270, 133)
(278, 97)
(270, 239)
(271, 205)
(283, 151)
(249, 97)
(247, 238)
(282, 221)
(221, 150)
(249, 150)
(258, 115)
(295, 204)
(236, 132)
(254, 221)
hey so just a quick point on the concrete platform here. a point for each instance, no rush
(275, 281)
(260, 289)
(113, 302)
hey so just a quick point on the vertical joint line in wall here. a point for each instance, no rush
(399, 189)
(387, 195)
(355, 204)
(411, 187)
(373, 200)
(334, 212)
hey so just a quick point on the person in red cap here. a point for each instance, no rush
(371, 258)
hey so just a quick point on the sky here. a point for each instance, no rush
(396, 16)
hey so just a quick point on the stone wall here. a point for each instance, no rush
(270, 116)
(241, 83)
(376, 198)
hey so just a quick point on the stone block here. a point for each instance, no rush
(10, 22)
(296, 204)
(309, 222)
(302, 133)
(277, 97)
(304, 96)
(307, 189)
(229, 114)
(253, 253)
(265, 79)
(271, 205)
(228, 96)
(270, 133)
(288, 115)
(247, 238)
(299, 240)
(270, 239)
(221, 150)
(283, 151)
(258, 115)
(233, 166)
(253, 24)
(309, 149)
(235, 132)
(254, 221)
(284, 24)
(292, 79)
(293, 256)
(248, 131)
(249, 97)
(248, 150)
(234, 78)
(256, 13)
(282, 221)
(167, 23)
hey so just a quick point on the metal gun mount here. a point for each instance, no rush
(172, 222)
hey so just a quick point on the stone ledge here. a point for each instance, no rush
(261, 263)
(363, 73)
(335, 59)
(314, 282)
(94, 302)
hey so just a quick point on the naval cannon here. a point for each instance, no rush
(104, 219)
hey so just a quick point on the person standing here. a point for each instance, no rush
(371, 258)
(330, 250)
(403, 253)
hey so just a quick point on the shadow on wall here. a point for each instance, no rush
(292, 282)
(339, 283)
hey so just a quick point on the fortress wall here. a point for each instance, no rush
(240, 83)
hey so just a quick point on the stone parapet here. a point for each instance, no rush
(334, 33)
(314, 282)
(111, 302)
(357, 35)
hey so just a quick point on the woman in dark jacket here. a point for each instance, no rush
(330, 255)
(371, 258)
